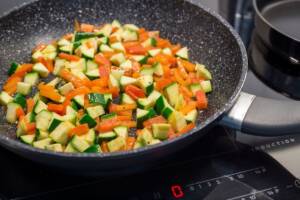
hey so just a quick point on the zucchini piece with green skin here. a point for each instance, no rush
(105, 48)
(116, 144)
(105, 30)
(58, 65)
(145, 138)
(66, 88)
(126, 65)
(87, 119)
(95, 111)
(93, 74)
(172, 93)
(23, 88)
(70, 148)
(54, 147)
(147, 71)
(126, 99)
(5, 98)
(160, 104)
(90, 136)
(66, 49)
(143, 103)
(55, 121)
(118, 46)
(78, 65)
(146, 103)
(137, 145)
(149, 42)
(103, 40)
(90, 65)
(158, 69)
(13, 67)
(167, 51)
(126, 80)
(129, 35)
(191, 116)
(141, 59)
(154, 52)
(118, 34)
(117, 73)
(41, 144)
(146, 83)
(43, 120)
(121, 131)
(30, 117)
(167, 112)
(177, 121)
(20, 99)
(79, 99)
(97, 99)
(63, 42)
(31, 78)
(107, 136)
(143, 115)
(79, 144)
(203, 72)
(41, 69)
(108, 116)
(195, 87)
(60, 133)
(206, 86)
(83, 35)
(95, 148)
(39, 106)
(87, 52)
(183, 53)
(117, 59)
(160, 131)
(40, 135)
(27, 139)
(48, 53)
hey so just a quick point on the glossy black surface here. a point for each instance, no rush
(210, 38)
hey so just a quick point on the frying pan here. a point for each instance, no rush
(212, 41)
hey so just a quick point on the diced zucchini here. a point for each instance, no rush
(5, 98)
(54, 122)
(154, 52)
(167, 112)
(31, 78)
(103, 40)
(141, 59)
(54, 81)
(40, 135)
(87, 52)
(13, 67)
(60, 133)
(116, 144)
(147, 71)
(137, 145)
(149, 42)
(143, 115)
(59, 64)
(105, 48)
(117, 73)
(107, 136)
(113, 82)
(160, 131)
(43, 119)
(67, 48)
(203, 72)
(49, 52)
(183, 53)
(63, 42)
(195, 87)
(54, 147)
(116, 24)
(180, 102)
(41, 69)
(160, 104)
(93, 74)
(83, 35)
(126, 99)
(105, 30)
(158, 69)
(27, 139)
(90, 65)
(20, 99)
(66, 88)
(79, 99)
(172, 93)
(145, 138)
(97, 99)
(79, 73)
(129, 35)
(117, 59)
(206, 86)
(41, 144)
(167, 51)
(131, 27)
(127, 65)
(39, 106)
(90, 136)
(121, 131)
(70, 149)
(143, 103)
(118, 34)
(108, 116)
(126, 80)
(78, 65)
(177, 121)
(79, 144)
(23, 88)
(191, 116)
(87, 119)
(95, 148)
(146, 83)
(117, 46)
(155, 141)
(95, 111)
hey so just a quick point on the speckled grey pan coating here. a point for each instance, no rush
(211, 40)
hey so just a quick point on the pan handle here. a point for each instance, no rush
(263, 116)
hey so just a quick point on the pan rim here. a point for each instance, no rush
(10, 143)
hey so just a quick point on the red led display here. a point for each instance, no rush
(177, 191)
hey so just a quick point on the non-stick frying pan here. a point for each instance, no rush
(212, 42)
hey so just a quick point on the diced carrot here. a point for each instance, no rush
(20, 112)
(137, 49)
(30, 104)
(189, 107)
(185, 91)
(134, 92)
(130, 141)
(69, 57)
(129, 124)
(162, 43)
(101, 82)
(171, 133)
(114, 29)
(49, 92)
(115, 91)
(164, 59)
(178, 78)
(68, 36)
(118, 108)
(123, 118)
(136, 75)
(162, 83)
(182, 70)
(11, 85)
(187, 128)
(108, 54)
(79, 130)
(130, 44)
(175, 48)
(22, 70)
(102, 60)
(86, 27)
(151, 61)
(202, 101)
(125, 113)
(107, 125)
(135, 66)
(167, 71)
(113, 39)
(30, 128)
(76, 81)
(143, 35)
(47, 63)
(155, 120)
(39, 47)
(104, 147)
(188, 65)
(58, 108)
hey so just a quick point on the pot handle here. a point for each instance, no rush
(263, 116)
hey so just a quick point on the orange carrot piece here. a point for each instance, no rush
(11, 85)
(162, 83)
(101, 82)
(39, 47)
(68, 57)
(76, 81)
(124, 107)
(187, 128)
(185, 91)
(162, 43)
(104, 147)
(130, 141)
(201, 98)
(125, 113)
(155, 120)
(22, 70)
(178, 78)
(136, 49)
(175, 48)
(129, 124)
(20, 112)
(113, 39)
(30, 104)
(58, 108)
(102, 60)
(47, 63)
(49, 92)
(190, 67)
(79, 130)
(123, 118)
(87, 27)
(30, 128)
(189, 107)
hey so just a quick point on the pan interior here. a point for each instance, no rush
(209, 40)
(284, 16)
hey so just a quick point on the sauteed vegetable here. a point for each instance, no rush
(112, 88)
